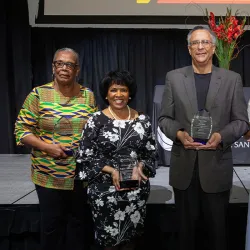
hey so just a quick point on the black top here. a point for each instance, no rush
(202, 82)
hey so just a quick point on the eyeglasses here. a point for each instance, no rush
(60, 64)
(204, 43)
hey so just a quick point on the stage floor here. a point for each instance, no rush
(17, 188)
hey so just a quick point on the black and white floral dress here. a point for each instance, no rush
(118, 215)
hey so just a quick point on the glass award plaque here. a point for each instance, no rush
(201, 126)
(128, 173)
(63, 134)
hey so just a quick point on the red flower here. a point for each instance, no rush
(235, 22)
(228, 31)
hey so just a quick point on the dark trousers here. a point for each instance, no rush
(194, 206)
(64, 222)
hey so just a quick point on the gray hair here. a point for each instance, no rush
(67, 50)
(213, 36)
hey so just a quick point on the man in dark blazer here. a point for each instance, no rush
(201, 175)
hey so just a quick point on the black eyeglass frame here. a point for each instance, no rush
(69, 65)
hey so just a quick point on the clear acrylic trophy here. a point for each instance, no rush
(201, 126)
(128, 173)
(63, 134)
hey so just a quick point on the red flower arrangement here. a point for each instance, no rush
(228, 31)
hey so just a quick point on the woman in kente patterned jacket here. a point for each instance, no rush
(51, 122)
(111, 137)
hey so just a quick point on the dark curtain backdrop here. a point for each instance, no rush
(15, 67)
(27, 55)
(147, 54)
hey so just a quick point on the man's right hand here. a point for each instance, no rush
(247, 135)
(187, 140)
(55, 150)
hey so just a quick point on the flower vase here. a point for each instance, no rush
(225, 63)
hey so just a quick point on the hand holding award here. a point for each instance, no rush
(63, 135)
(201, 127)
(127, 173)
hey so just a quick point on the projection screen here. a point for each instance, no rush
(141, 7)
(146, 12)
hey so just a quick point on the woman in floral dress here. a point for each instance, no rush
(116, 134)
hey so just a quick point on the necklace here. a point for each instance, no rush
(117, 117)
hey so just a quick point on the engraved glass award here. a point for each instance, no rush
(201, 126)
(63, 134)
(128, 173)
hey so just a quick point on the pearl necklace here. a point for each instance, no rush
(117, 117)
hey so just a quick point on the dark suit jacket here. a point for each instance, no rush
(227, 106)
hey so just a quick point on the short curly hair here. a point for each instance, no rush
(121, 78)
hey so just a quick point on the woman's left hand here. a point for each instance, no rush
(138, 173)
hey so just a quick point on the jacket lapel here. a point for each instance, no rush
(189, 84)
(214, 86)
